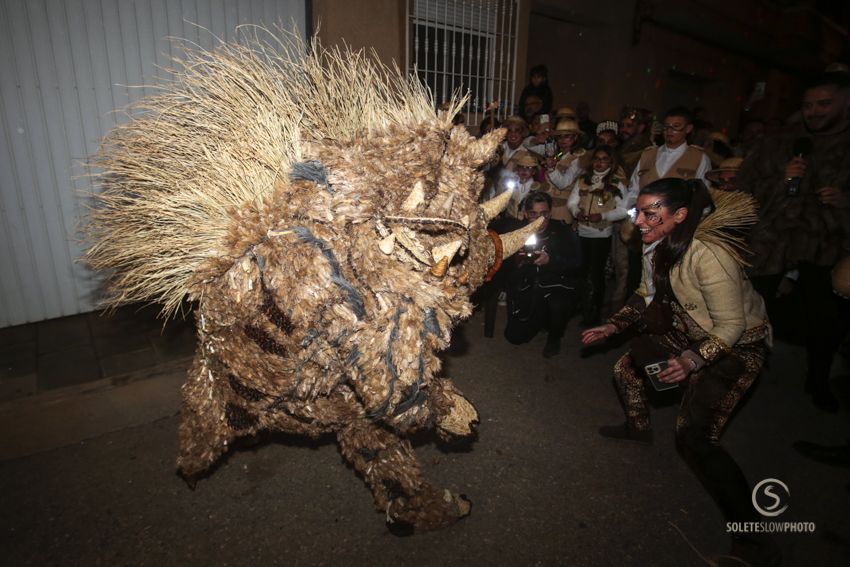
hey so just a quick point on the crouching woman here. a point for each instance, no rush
(697, 313)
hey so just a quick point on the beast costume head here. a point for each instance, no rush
(325, 222)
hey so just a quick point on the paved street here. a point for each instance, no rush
(89, 477)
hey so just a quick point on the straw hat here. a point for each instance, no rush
(565, 112)
(566, 126)
(524, 159)
(719, 137)
(728, 164)
(518, 120)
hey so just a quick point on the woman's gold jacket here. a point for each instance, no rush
(710, 284)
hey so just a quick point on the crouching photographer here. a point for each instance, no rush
(542, 278)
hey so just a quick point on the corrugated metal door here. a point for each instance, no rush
(65, 67)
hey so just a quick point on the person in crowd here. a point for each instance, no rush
(565, 167)
(517, 132)
(717, 147)
(752, 131)
(586, 123)
(700, 325)
(606, 134)
(524, 166)
(634, 136)
(564, 112)
(542, 279)
(597, 201)
(533, 106)
(500, 166)
(489, 118)
(724, 177)
(675, 158)
(488, 124)
(540, 142)
(458, 119)
(538, 86)
(801, 180)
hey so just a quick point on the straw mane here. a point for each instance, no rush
(734, 214)
(217, 140)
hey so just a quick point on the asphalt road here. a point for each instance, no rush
(546, 488)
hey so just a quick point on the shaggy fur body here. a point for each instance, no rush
(327, 272)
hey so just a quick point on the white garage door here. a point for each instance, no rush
(65, 67)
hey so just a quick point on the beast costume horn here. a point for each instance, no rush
(324, 221)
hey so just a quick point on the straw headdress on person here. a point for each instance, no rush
(524, 159)
(728, 164)
(566, 126)
(719, 137)
(516, 121)
(565, 112)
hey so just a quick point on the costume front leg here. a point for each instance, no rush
(397, 382)
(390, 469)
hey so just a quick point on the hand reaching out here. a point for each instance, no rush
(590, 336)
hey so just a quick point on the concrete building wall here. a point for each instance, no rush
(660, 53)
(596, 61)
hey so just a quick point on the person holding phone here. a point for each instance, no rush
(597, 201)
(697, 314)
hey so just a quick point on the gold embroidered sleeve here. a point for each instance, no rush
(711, 348)
(629, 314)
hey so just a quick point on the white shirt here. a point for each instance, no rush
(530, 145)
(664, 160)
(649, 270)
(566, 178)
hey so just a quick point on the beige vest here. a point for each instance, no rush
(581, 154)
(559, 202)
(683, 168)
(590, 202)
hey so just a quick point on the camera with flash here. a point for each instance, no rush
(531, 246)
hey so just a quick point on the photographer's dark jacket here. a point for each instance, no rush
(563, 270)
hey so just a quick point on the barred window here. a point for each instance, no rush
(465, 45)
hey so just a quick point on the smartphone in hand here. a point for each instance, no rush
(653, 370)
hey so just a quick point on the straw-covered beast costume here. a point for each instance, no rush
(326, 222)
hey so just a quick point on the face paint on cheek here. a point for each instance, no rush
(651, 215)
